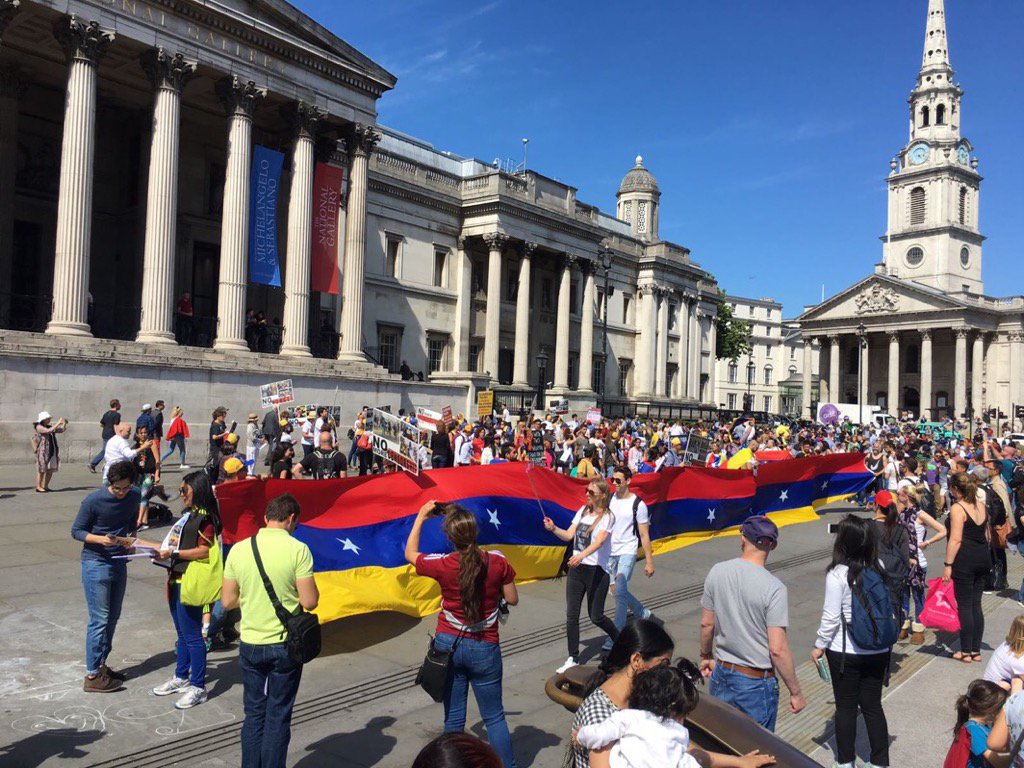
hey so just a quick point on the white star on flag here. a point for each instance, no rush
(493, 514)
(784, 496)
(824, 485)
(711, 515)
(348, 546)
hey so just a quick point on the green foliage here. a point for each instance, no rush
(733, 335)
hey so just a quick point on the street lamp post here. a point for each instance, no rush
(862, 343)
(606, 265)
(748, 400)
(542, 364)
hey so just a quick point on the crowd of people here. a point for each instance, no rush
(959, 486)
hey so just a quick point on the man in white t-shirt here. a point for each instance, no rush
(308, 430)
(627, 537)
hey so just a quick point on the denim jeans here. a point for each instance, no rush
(104, 582)
(98, 458)
(621, 569)
(270, 681)
(756, 697)
(175, 442)
(919, 593)
(476, 662)
(191, 649)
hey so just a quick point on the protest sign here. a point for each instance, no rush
(446, 416)
(696, 451)
(276, 393)
(395, 441)
(427, 419)
(559, 406)
(484, 403)
(593, 415)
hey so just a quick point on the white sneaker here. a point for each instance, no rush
(569, 664)
(173, 685)
(191, 697)
(184, 466)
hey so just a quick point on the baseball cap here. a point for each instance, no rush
(233, 465)
(760, 530)
(231, 438)
(676, 441)
(147, 407)
(883, 499)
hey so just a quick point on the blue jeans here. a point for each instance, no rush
(98, 458)
(477, 662)
(621, 569)
(270, 681)
(920, 593)
(191, 649)
(758, 698)
(175, 442)
(104, 582)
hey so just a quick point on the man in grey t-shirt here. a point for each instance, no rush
(746, 612)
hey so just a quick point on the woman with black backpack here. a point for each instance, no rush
(857, 630)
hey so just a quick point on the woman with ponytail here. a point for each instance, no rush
(968, 561)
(474, 584)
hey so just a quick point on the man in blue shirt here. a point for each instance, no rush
(105, 514)
(146, 419)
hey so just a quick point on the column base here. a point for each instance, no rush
(57, 328)
(297, 350)
(230, 345)
(352, 356)
(156, 337)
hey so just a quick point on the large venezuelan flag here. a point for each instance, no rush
(356, 527)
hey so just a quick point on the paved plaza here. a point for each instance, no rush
(358, 705)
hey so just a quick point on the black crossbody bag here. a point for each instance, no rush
(433, 674)
(302, 630)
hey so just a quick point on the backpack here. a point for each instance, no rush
(895, 570)
(1017, 477)
(959, 751)
(994, 507)
(874, 621)
(636, 525)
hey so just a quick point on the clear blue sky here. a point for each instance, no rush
(769, 131)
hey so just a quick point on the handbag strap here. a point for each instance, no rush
(282, 614)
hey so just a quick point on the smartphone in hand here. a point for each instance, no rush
(823, 670)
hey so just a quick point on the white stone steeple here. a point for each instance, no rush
(935, 100)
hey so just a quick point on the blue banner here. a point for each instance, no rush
(264, 184)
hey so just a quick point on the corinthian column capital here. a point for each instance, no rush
(303, 118)
(364, 139)
(82, 40)
(496, 241)
(527, 249)
(239, 97)
(167, 71)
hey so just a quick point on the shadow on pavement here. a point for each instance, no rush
(364, 746)
(63, 743)
(356, 633)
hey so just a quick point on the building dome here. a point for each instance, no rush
(639, 179)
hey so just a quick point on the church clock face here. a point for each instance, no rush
(963, 155)
(918, 154)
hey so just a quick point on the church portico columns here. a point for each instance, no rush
(978, 374)
(1016, 339)
(682, 320)
(304, 119)
(521, 361)
(84, 44)
(960, 373)
(647, 322)
(463, 302)
(661, 354)
(834, 393)
(239, 99)
(168, 74)
(865, 387)
(586, 377)
(805, 384)
(693, 365)
(496, 242)
(892, 401)
(926, 374)
(561, 381)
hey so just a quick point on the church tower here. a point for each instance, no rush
(933, 236)
(636, 202)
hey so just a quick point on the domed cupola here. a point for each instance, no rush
(637, 202)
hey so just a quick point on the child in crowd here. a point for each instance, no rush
(650, 734)
(976, 710)
(1008, 659)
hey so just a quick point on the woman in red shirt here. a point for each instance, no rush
(473, 583)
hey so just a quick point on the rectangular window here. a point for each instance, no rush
(751, 370)
(573, 308)
(731, 401)
(440, 267)
(600, 304)
(437, 352)
(768, 403)
(391, 256)
(574, 370)
(389, 345)
(768, 376)
(597, 375)
(768, 348)
(624, 370)
(477, 278)
(733, 374)
(545, 293)
(511, 284)
(672, 317)
(626, 301)
(474, 357)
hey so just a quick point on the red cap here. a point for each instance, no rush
(883, 499)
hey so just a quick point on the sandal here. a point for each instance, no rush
(961, 656)
(975, 657)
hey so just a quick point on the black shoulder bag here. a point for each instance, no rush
(433, 674)
(302, 630)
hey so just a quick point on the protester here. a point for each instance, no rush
(857, 674)
(1006, 662)
(190, 539)
(253, 441)
(218, 431)
(270, 678)
(103, 517)
(44, 442)
(474, 583)
(147, 473)
(967, 562)
(306, 428)
(271, 433)
(746, 613)
(177, 434)
(325, 463)
(281, 461)
(440, 447)
(917, 522)
(108, 421)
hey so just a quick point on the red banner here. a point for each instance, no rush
(327, 181)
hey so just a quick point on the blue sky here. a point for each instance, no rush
(769, 126)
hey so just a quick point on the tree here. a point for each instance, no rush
(733, 334)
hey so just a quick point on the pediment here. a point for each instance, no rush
(879, 295)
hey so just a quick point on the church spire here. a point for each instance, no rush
(935, 59)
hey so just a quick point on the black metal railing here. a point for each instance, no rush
(520, 402)
(623, 408)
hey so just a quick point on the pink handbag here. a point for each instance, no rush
(939, 610)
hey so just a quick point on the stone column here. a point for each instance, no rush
(960, 373)
(1016, 339)
(168, 74)
(463, 305)
(926, 373)
(806, 380)
(893, 394)
(350, 347)
(11, 89)
(978, 375)
(865, 379)
(84, 44)
(713, 360)
(239, 99)
(661, 347)
(646, 322)
(696, 337)
(496, 242)
(682, 323)
(303, 119)
(586, 383)
(521, 364)
(833, 369)
(561, 381)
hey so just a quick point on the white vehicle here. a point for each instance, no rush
(837, 413)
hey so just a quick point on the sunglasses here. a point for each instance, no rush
(593, 493)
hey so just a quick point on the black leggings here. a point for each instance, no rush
(859, 686)
(592, 581)
(967, 588)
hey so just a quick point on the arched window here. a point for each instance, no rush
(940, 114)
(852, 359)
(963, 205)
(924, 117)
(913, 360)
(768, 373)
(917, 206)
(792, 370)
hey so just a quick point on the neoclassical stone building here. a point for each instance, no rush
(127, 135)
(920, 334)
